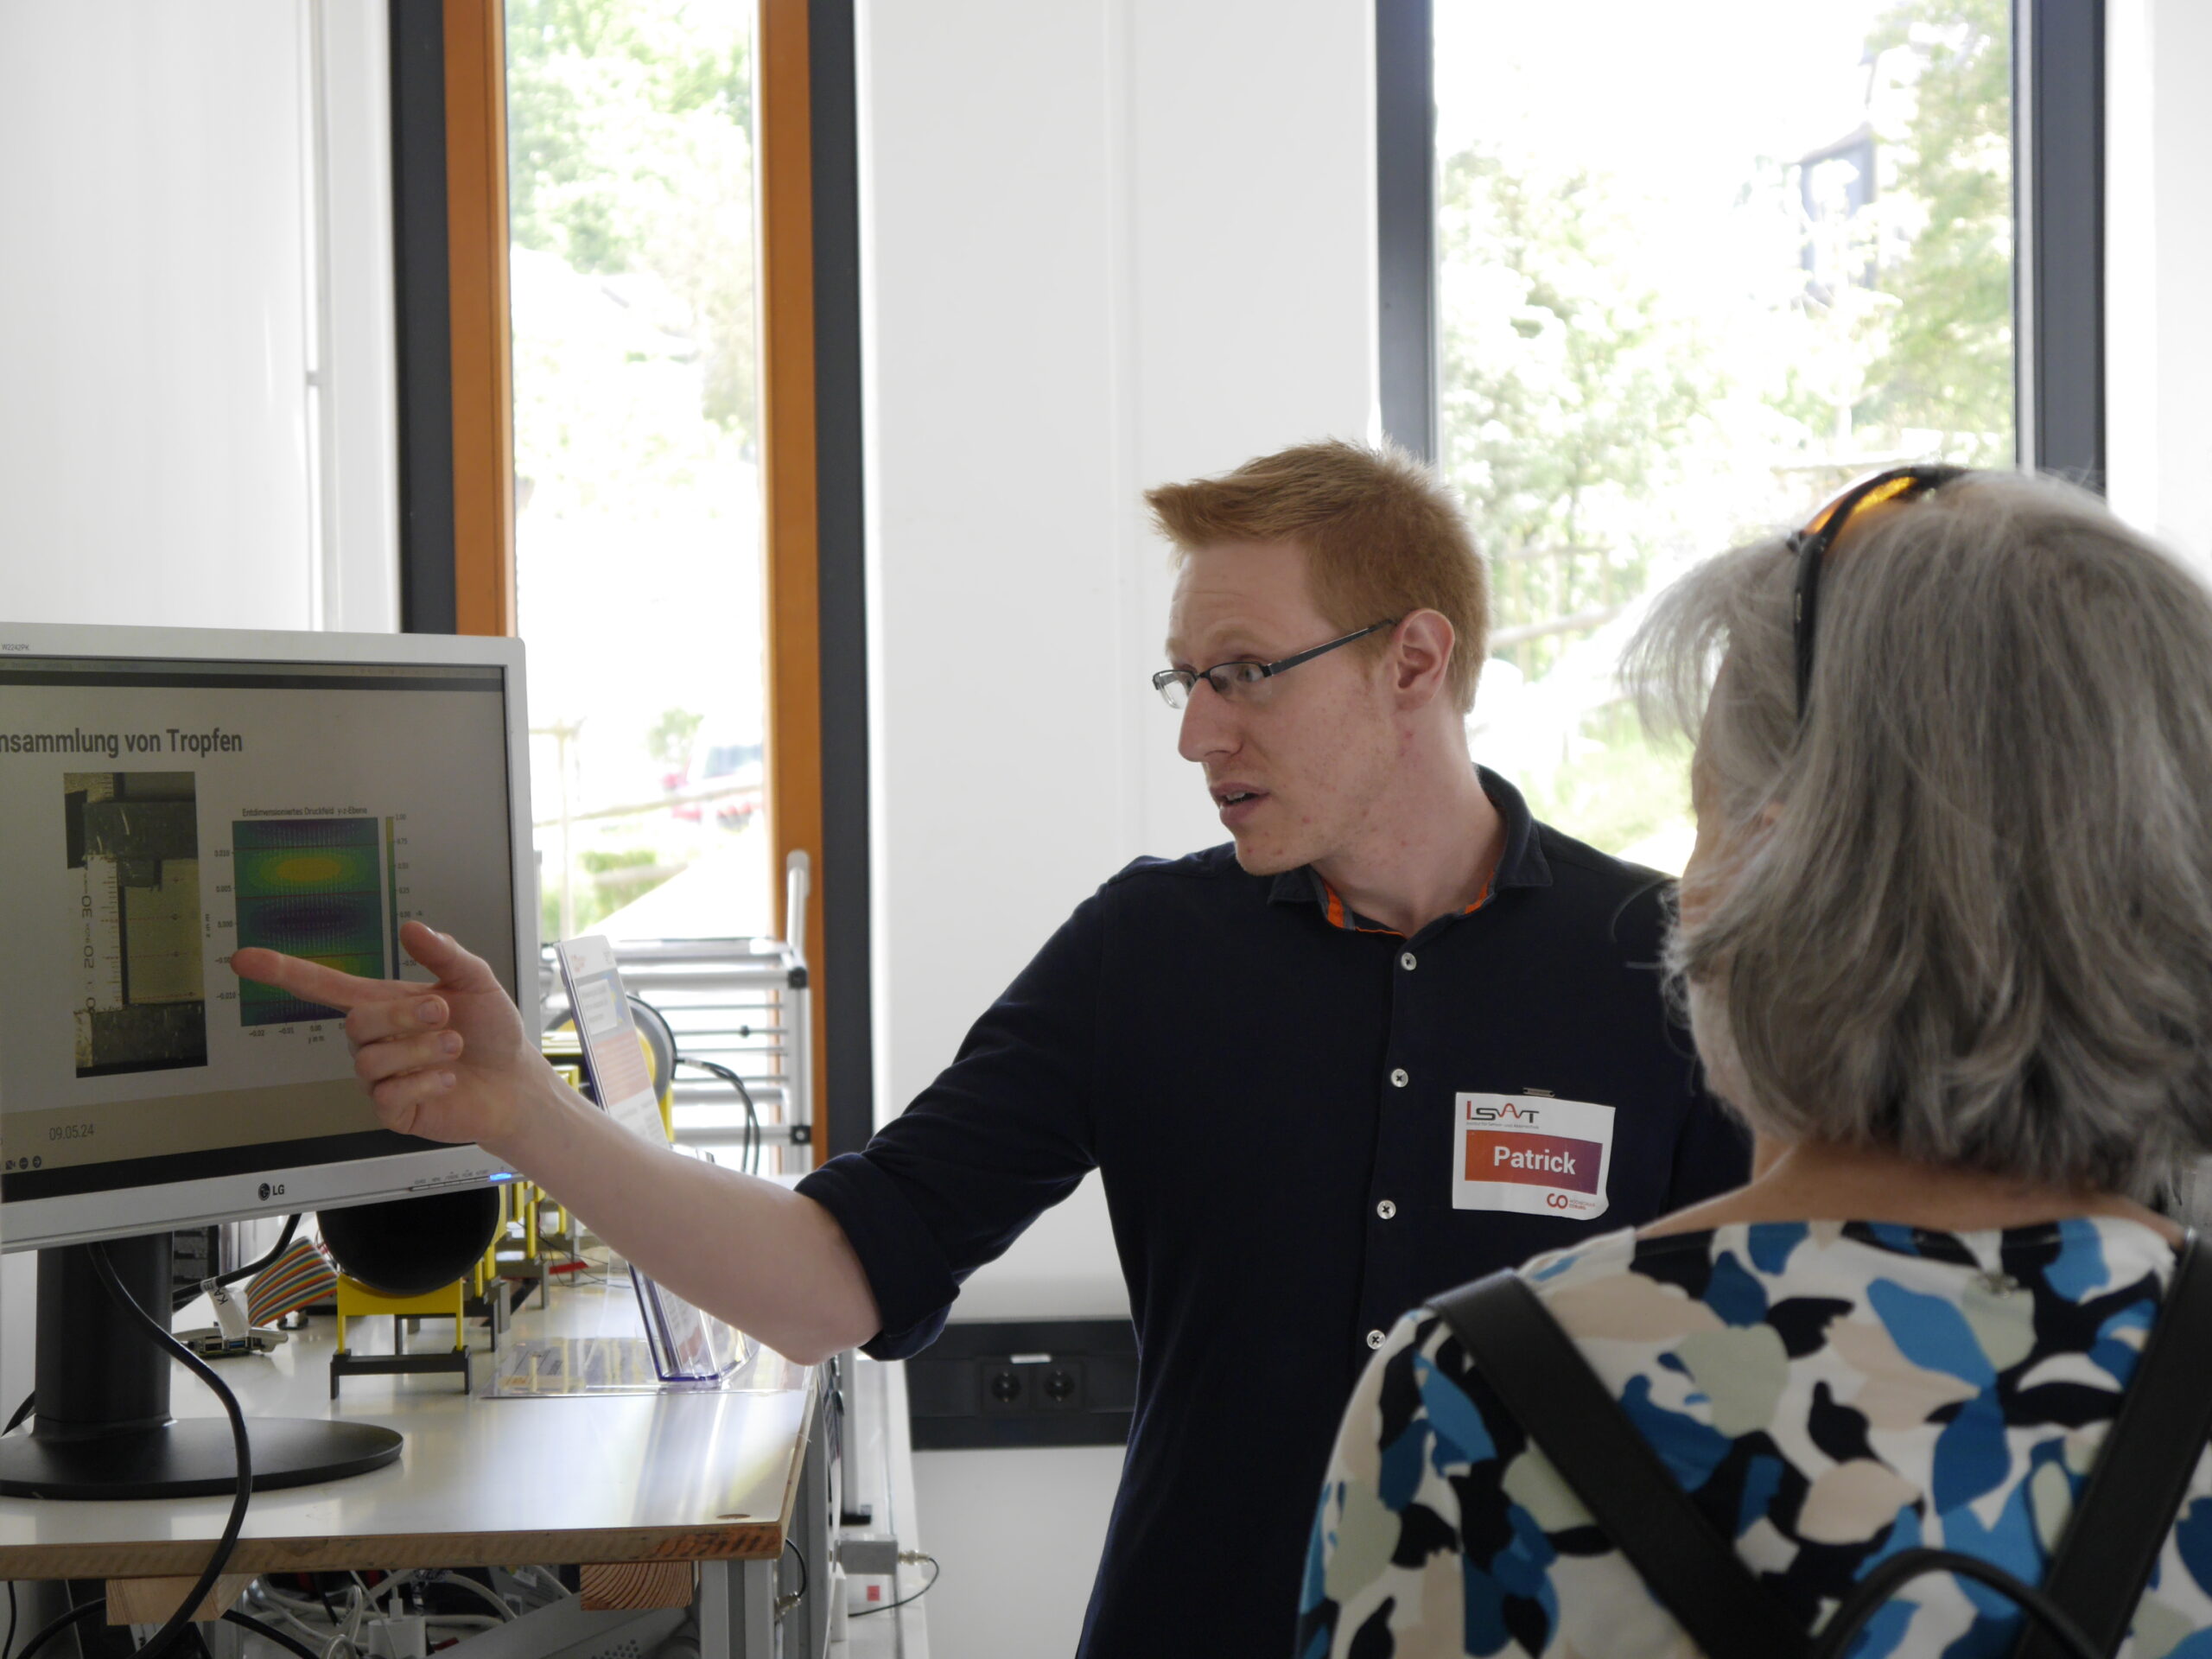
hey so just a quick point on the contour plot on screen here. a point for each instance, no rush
(310, 887)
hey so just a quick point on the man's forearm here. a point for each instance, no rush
(770, 1260)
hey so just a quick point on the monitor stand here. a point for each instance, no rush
(103, 1428)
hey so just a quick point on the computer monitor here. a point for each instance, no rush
(167, 795)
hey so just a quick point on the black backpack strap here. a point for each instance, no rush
(2142, 1474)
(1542, 1378)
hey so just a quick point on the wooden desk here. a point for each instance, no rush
(679, 1477)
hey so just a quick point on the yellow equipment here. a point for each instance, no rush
(357, 1301)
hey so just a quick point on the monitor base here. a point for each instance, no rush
(103, 1428)
(193, 1457)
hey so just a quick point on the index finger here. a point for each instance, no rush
(311, 982)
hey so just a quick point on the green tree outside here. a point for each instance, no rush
(1604, 423)
(1946, 366)
(630, 149)
(672, 736)
(1572, 389)
(632, 224)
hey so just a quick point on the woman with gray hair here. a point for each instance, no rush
(1946, 947)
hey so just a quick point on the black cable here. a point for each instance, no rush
(752, 1142)
(1874, 1591)
(283, 1243)
(165, 1640)
(936, 1573)
(177, 1302)
(806, 1578)
(263, 1628)
(83, 1609)
(322, 1595)
(750, 1155)
(10, 1641)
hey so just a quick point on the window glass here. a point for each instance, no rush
(1688, 286)
(638, 525)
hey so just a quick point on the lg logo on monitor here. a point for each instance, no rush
(272, 1190)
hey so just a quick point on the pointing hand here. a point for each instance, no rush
(447, 1062)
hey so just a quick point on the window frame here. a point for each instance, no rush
(1407, 340)
(2058, 210)
(456, 441)
(2058, 183)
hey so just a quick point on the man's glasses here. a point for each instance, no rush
(1811, 546)
(1235, 679)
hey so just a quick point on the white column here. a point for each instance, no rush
(2158, 254)
(1106, 244)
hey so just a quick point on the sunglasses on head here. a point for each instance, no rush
(1811, 546)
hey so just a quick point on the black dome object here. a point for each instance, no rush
(410, 1247)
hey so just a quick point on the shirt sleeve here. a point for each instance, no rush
(1005, 1132)
(1389, 1570)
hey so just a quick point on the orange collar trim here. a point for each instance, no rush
(1342, 915)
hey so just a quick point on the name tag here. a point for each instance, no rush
(1532, 1155)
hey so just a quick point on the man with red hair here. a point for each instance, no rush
(1394, 1035)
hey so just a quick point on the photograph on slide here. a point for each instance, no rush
(134, 862)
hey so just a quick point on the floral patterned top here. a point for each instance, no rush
(1829, 1392)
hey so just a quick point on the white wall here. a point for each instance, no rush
(161, 317)
(356, 565)
(2157, 255)
(174, 183)
(1108, 243)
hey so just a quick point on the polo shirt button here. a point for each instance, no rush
(1386, 1209)
(1375, 1338)
(1407, 962)
(1399, 1078)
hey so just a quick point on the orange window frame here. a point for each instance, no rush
(483, 405)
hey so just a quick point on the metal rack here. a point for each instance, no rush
(743, 1003)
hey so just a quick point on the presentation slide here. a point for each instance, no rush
(155, 818)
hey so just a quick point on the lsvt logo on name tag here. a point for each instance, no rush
(1532, 1155)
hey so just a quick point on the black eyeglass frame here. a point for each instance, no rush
(1811, 546)
(1167, 677)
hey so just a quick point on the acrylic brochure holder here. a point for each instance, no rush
(686, 1343)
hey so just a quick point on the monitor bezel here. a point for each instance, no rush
(286, 1185)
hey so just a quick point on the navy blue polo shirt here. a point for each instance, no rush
(1268, 1084)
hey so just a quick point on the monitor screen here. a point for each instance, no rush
(167, 796)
